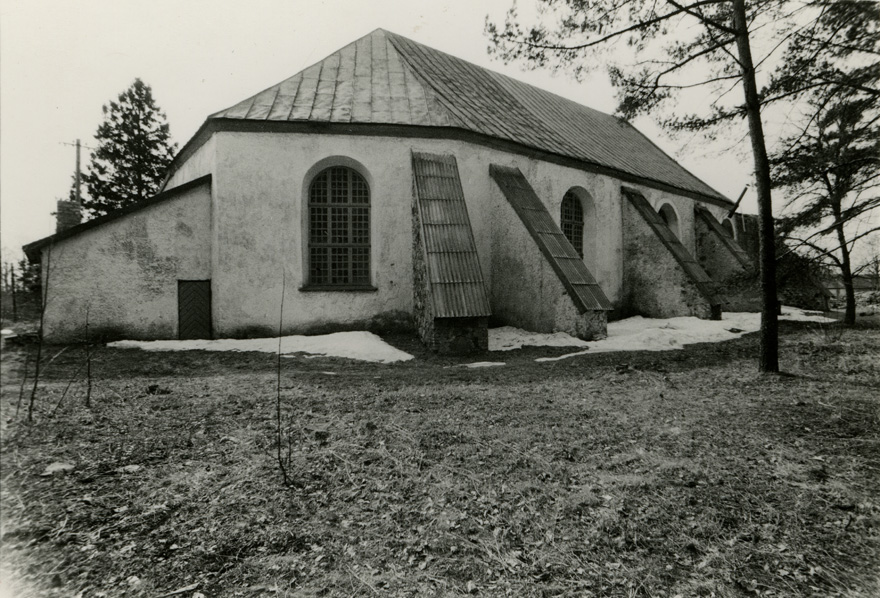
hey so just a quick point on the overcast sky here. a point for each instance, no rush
(60, 61)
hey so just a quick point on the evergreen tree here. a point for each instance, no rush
(829, 166)
(133, 153)
(832, 174)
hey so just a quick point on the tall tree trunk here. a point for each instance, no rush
(769, 360)
(849, 317)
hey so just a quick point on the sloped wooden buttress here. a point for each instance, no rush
(452, 306)
(732, 246)
(562, 256)
(693, 271)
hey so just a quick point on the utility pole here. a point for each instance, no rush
(78, 178)
(70, 208)
(78, 174)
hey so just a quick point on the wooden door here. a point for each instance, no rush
(193, 309)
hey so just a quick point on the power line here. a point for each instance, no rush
(76, 143)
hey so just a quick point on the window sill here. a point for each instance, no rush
(317, 288)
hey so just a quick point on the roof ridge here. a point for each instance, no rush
(540, 91)
(520, 118)
(392, 35)
(219, 113)
(446, 102)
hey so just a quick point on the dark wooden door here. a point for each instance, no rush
(193, 309)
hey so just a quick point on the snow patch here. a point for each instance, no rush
(802, 315)
(508, 338)
(364, 346)
(648, 334)
(561, 357)
(480, 364)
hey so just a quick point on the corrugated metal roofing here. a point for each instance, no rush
(367, 81)
(455, 280)
(384, 78)
(738, 252)
(568, 265)
(690, 266)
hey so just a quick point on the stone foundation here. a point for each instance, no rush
(458, 336)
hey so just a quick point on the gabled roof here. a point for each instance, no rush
(384, 78)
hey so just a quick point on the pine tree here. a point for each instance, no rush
(829, 166)
(133, 153)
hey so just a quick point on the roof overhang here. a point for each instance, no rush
(33, 250)
(213, 125)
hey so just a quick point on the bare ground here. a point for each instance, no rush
(630, 474)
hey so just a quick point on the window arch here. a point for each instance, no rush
(339, 229)
(572, 221)
(667, 213)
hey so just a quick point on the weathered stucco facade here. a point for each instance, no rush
(234, 212)
(251, 238)
(120, 279)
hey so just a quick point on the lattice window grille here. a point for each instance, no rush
(572, 220)
(339, 229)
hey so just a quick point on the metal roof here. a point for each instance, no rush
(455, 280)
(568, 265)
(384, 78)
(687, 262)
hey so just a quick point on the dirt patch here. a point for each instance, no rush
(637, 474)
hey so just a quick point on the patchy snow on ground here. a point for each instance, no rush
(508, 338)
(632, 334)
(479, 364)
(647, 334)
(6, 332)
(364, 346)
(800, 315)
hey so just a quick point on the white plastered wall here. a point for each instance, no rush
(259, 235)
(123, 274)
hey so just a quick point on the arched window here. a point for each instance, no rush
(667, 213)
(339, 229)
(572, 221)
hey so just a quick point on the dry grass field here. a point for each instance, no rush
(622, 474)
